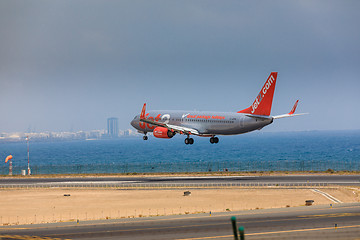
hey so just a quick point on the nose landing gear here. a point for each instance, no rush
(214, 140)
(145, 137)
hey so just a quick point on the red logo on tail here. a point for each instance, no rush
(263, 101)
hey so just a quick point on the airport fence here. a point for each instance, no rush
(163, 167)
(121, 185)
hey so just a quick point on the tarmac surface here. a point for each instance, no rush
(353, 180)
(342, 221)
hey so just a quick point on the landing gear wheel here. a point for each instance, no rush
(145, 138)
(189, 141)
(214, 140)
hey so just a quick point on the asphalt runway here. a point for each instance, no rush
(353, 180)
(314, 222)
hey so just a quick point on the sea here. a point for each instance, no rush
(252, 152)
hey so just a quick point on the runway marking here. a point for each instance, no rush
(206, 177)
(331, 215)
(87, 182)
(26, 237)
(139, 229)
(266, 233)
(328, 196)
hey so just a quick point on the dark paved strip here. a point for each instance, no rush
(316, 220)
(330, 179)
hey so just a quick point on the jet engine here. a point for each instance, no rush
(161, 132)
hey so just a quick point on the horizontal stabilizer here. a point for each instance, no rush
(288, 115)
(291, 113)
(260, 117)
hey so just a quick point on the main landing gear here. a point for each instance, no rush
(189, 140)
(214, 140)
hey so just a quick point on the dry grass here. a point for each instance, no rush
(50, 205)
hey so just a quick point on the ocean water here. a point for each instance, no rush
(258, 151)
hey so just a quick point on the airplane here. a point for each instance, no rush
(165, 124)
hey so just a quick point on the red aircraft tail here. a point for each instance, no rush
(142, 114)
(263, 101)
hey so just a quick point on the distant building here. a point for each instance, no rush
(127, 132)
(81, 135)
(113, 127)
(94, 134)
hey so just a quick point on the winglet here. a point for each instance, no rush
(294, 108)
(142, 114)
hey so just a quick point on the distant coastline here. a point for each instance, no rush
(64, 136)
(48, 136)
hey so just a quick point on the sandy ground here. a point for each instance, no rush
(50, 205)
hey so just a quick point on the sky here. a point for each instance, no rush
(69, 65)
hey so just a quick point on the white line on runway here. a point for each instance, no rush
(90, 182)
(205, 177)
(328, 196)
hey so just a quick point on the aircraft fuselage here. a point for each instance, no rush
(207, 123)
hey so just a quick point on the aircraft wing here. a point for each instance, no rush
(182, 130)
(173, 128)
(291, 113)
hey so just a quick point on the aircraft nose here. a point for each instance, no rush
(133, 123)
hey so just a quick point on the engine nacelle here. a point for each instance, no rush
(161, 132)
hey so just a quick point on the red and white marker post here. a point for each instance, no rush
(8, 159)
